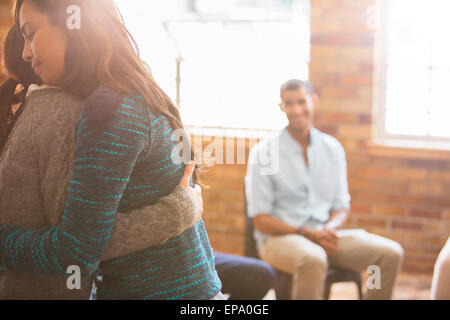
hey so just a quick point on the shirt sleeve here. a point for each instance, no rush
(259, 187)
(109, 142)
(342, 197)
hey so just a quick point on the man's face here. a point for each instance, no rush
(298, 105)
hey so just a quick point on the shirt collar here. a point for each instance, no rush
(289, 141)
(35, 87)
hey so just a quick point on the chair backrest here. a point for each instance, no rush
(250, 244)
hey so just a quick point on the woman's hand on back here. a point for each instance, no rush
(196, 192)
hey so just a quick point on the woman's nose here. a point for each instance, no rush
(27, 55)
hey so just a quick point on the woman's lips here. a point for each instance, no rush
(36, 67)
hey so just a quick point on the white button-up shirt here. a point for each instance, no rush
(292, 191)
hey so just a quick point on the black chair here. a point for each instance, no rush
(284, 280)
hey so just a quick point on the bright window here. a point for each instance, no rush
(235, 55)
(417, 70)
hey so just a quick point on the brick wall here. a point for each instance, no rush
(401, 195)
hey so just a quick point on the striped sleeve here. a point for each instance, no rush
(110, 138)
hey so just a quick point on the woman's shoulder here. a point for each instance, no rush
(106, 105)
(104, 100)
(51, 106)
(46, 96)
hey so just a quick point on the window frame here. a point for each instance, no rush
(379, 132)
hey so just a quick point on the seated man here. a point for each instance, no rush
(298, 207)
(244, 278)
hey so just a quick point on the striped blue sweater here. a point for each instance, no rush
(122, 162)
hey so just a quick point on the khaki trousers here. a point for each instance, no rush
(308, 262)
(440, 287)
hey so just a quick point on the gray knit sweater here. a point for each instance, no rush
(35, 170)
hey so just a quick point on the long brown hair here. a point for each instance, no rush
(20, 72)
(102, 51)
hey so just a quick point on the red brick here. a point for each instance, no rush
(324, 52)
(367, 40)
(409, 174)
(366, 68)
(374, 173)
(359, 158)
(406, 225)
(227, 242)
(424, 240)
(374, 186)
(354, 131)
(349, 145)
(342, 40)
(330, 129)
(365, 119)
(370, 198)
(406, 199)
(435, 214)
(418, 265)
(346, 118)
(390, 211)
(367, 222)
(360, 208)
(339, 92)
(430, 164)
(426, 189)
(356, 27)
(358, 184)
(357, 80)
(443, 201)
(437, 226)
(446, 214)
(326, 26)
(441, 176)
(363, 144)
(345, 14)
(343, 105)
(332, 66)
(396, 236)
(357, 54)
(365, 93)
(324, 80)
(317, 39)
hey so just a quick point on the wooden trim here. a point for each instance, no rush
(409, 150)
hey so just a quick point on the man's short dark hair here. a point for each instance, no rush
(295, 84)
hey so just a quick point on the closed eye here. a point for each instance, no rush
(30, 36)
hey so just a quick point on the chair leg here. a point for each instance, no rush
(358, 283)
(327, 292)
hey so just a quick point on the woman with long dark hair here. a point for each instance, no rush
(20, 75)
(123, 159)
(35, 170)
